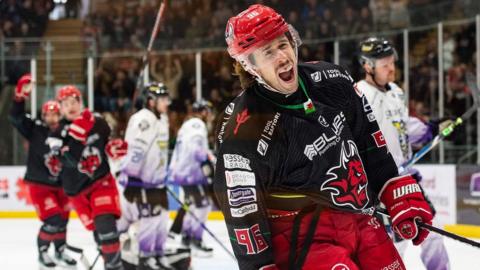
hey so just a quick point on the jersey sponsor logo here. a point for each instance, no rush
(234, 161)
(241, 119)
(325, 141)
(336, 73)
(379, 139)
(244, 210)
(401, 128)
(143, 125)
(90, 161)
(241, 196)
(267, 134)
(252, 239)
(239, 178)
(323, 121)
(340, 266)
(348, 184)
(53, 164)
(49, 203)
(393, 266)
(262, 147)
(316, 76)
(368, 109)
(230, 108)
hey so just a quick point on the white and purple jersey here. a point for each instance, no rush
(147, 155)
(191, 150)
(399, 129)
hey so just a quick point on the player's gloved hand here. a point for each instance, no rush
(23, 88)
(133, 190)
(406, 204)
(116, 148)
(81, 126)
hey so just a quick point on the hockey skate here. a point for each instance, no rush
(199, 249)
(63, 258)
(46, 262)
(152, 263)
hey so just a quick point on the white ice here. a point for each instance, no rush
(18, 248)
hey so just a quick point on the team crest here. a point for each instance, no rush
(90, 160)
(348, 184)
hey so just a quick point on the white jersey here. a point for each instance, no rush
(191, 149)
(147, 155)
(392, 116)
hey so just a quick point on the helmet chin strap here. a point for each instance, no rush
(372, 74)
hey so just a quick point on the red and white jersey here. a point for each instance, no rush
(392, 117)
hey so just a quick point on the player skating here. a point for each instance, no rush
(85, 174)
(387, 100)
(143, 173)
(300, 162)
(191, 167)
(41, 177)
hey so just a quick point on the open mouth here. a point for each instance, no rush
(287, 75)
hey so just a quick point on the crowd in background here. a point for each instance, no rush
(124, 27)
(22, 19)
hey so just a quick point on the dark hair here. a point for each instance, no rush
(246, 79)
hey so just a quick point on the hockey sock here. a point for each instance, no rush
(53, 229)
(109, 241)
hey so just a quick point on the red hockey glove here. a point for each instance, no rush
(116, 148)
(81, 126)
(23, 88)
(406, 204)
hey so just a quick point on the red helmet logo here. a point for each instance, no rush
(253, 28)
(50, 106)
(348, 185)
(68, 91)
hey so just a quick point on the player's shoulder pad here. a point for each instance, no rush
(195, 123)
(321, 72)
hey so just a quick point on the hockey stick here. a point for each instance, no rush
(83, 258)
(437, 230)
(443, 133)
(185, 207)
(147, 52)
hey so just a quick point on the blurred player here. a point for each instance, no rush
(191, 167)
(85, 174)
(300, 164)
(387, 100)
(41, 176)
(143, 172)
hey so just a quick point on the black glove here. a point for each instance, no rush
(133, 190)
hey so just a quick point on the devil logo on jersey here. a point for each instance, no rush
(348, 184)
(52, 162)
(90, 160)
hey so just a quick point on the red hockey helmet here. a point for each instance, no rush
(68, 91)
(253, 28)
(51, 106)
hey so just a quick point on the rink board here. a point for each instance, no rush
(438, 182)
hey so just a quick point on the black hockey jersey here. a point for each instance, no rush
(83, 164)
(335, 156)
(42, 166)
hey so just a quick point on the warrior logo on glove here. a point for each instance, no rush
(348, 185)
(90, 160)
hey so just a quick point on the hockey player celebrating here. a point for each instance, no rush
(85, 174)
(143, 173)
(191, 167)
(41, 176)
(300, 162)
(377, 57)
